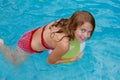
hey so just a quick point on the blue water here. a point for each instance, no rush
(101, 60)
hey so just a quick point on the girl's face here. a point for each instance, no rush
(83, 32)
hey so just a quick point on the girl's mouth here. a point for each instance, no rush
(82, 39)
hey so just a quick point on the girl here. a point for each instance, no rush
(55, 36)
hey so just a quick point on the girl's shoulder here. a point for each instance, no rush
(65, 43)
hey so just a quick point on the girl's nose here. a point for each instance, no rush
(86, 35)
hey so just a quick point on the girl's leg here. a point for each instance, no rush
(16, 57)
(20, 56)
(5, 50)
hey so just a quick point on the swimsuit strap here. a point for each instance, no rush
(43, 41)
(32, 50)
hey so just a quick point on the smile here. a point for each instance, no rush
(82, 39)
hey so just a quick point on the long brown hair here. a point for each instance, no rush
(69, 25)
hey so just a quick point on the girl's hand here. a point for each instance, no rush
(73, 59)
(70, 59)
(77, 57)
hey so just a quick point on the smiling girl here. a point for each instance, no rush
(55, 36)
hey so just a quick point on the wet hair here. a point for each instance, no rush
(69, 25)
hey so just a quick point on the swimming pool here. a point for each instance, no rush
(101, 60)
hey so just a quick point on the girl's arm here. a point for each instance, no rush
(82, 45)
(61, 48)
(70, 59)
(58, 52)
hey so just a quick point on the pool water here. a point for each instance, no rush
(101, 60)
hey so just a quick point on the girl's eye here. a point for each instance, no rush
(89, 31)
(82, 30)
